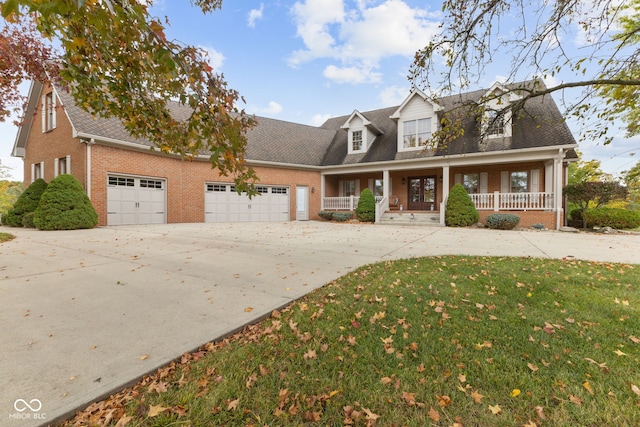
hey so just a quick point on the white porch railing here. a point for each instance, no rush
(382, 206)
(513, 201)
(348, 203)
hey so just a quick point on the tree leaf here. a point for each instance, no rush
(495, 409)
(155, 410)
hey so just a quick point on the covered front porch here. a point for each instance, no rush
(532, 190)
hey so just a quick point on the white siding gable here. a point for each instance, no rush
(417, 120)
(361, 133)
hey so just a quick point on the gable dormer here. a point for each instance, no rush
(361, 133)
(417, 119)
(497, 117)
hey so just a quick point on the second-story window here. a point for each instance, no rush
(48, 112)
(416, 133)
(495, 123)
(356, 140)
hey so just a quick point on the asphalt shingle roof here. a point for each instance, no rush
(539, 124)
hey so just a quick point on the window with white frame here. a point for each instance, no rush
(48, 112)
(356, 140)
(471, 182)
(519, 182)
(378, 189)
(37, 171)
(495, 123)
(416, 133)
(350, 188)
(62, 165)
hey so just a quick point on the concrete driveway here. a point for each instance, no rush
(87, 312)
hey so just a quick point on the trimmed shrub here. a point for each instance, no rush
(460, 210)
(65, 206)
(611, 217)
(502, 221)
(27, 202)
(325, 215)
(366, 210)
(575, 218)
(27, 220)
(342, 216)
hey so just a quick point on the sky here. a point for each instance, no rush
(307, 60)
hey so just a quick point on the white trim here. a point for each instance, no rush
(56, 166)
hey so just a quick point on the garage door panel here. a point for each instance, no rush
(132, 200)
(223, 204)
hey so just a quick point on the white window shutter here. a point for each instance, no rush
(458, 178)
(33, 172)
(68, 164)
(44, 113)
(484, 182)
(56, 167)
(341, 188)
(42, 170)
(53, 110)
(371, 185)
(505, 182)
(534, 185)
(357, 187)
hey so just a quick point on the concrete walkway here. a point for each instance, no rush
(85, 313)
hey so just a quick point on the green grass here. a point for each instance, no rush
(430, 341)
(5, 237)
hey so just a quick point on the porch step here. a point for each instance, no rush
(411, 218)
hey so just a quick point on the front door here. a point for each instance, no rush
(302, 203)
(422, 193)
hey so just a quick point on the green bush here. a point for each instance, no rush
(27, 202)
(342, 216)
(326, 215)
(611, 217)
(575, 218)
(460, 210)
(366, 210)
(65, 206)
(502, 221)
(27, 220)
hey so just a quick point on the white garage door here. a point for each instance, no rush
(223, 204)
(132, 200)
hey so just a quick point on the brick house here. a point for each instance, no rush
(508, 164)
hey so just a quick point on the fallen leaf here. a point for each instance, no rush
(587, 386)
(386, 380)
(515, 392)
(540, 412)
(410, 398)
(635, 389)
(434, 415)
(462, 378)
(602, 365)
(530, 424)
(532, 367)
(635, 339)
(477, 397)
(233, 404)
(444, 401)
(144, 357)
(156, 410)
(122, 422)
(248, 309)
(310, 354)
(620, 353)
(495, 409)
(575, 399)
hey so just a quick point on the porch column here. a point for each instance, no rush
(445, 192)
(322, 179)
(385, 183)
(557, 187)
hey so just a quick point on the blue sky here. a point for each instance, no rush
(308, 60)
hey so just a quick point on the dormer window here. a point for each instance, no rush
(356, 140)
(495, 123)
(416, 133)
(48, 112)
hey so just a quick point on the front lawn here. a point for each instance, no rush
(5, 237)
(442, 341)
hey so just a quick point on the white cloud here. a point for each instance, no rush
(319, 119)
(393, 95)
(272, 109)
(354, 74)
(214, 58)
(254, 15)
(357, 38)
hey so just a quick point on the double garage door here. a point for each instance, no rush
(223, 204)
(133, 200)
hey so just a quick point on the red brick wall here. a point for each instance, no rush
(57, 143)
(186, 181)
(528, 218)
